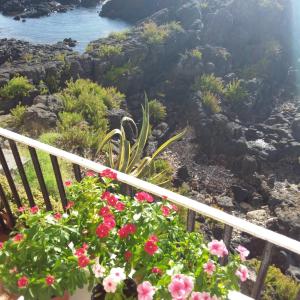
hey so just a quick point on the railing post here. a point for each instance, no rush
(77, 172)
(60, 185)
(9, 178)
(226, 239)
(262, 273)
(7, 207)
(191, 220)
(40, 177)
(22, 173)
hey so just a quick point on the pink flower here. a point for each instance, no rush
(244, 252)
(90, 173)
(109, 284)
(102, 231)
(165, 210)
(57, 216)
(50, 280)
(120, 206)
(181, 286)
(21, 209)
(70, 204)
(112, 200)
(109, 174)
(174, 207)
(131, 228)
(34, 210)
(126, 230)
(68, 183)
(23, 282)
(143, 196)
(127, 255)
(150, 247)
(209, 267)
(1, 245)
(81, 251)
(217, 248)
(145, 291)
(83, 261)
(201, 296)
(242, 272)
(18, 237)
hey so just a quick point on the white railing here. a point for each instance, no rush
(272, 238)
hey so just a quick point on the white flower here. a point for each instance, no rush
(118, 274)
(110, 284)
(98, 270)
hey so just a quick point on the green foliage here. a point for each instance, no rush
(209, 83)
(109, 50)
(17, 88)
(115, 73)
(49, 138)
(43, 88)
(84, 120)
(196, 53)
(161, 173)
(277, 285)
(210, 101)
(18, 114)
(53, 82)
(28, 57)
(60, 57)
(129, 158)
(157, 111)
(235, 93)
(154, 34)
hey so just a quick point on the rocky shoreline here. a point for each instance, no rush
(243, 159)
(22, 9)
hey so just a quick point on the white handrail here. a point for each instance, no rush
(216, 214)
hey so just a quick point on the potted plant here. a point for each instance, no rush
(124, 247)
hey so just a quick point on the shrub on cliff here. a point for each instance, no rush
(17, 88)
(157, 111)
(18, 114)
(209, 83)
(109, 50)
(210, 101)
(235, 93)
(154, 34)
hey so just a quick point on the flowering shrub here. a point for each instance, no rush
(135, 248)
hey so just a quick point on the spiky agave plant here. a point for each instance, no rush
(129, 158)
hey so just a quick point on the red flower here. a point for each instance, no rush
(165, 210)
(102, 231)
(131, 228)
(57, 216)
(123, 233)
(153, 238)
(112, 200)
(164, 197)
(90, 173)
(50, 280)
(70, 204)
(23, 282)
(156, 270)
(150, 247)
(120, 206)
(34, 210)
(105, 195)
(85, 246)
(83, 261)
(104, 211)
(127, 255)
(68, 183)
(108, 173)
(18, 237)
(1, 245)
(109, 222)
(21, 209)
(143, 196)
(81, 251)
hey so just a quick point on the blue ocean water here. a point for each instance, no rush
(81, 24)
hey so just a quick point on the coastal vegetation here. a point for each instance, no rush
(16, 88)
